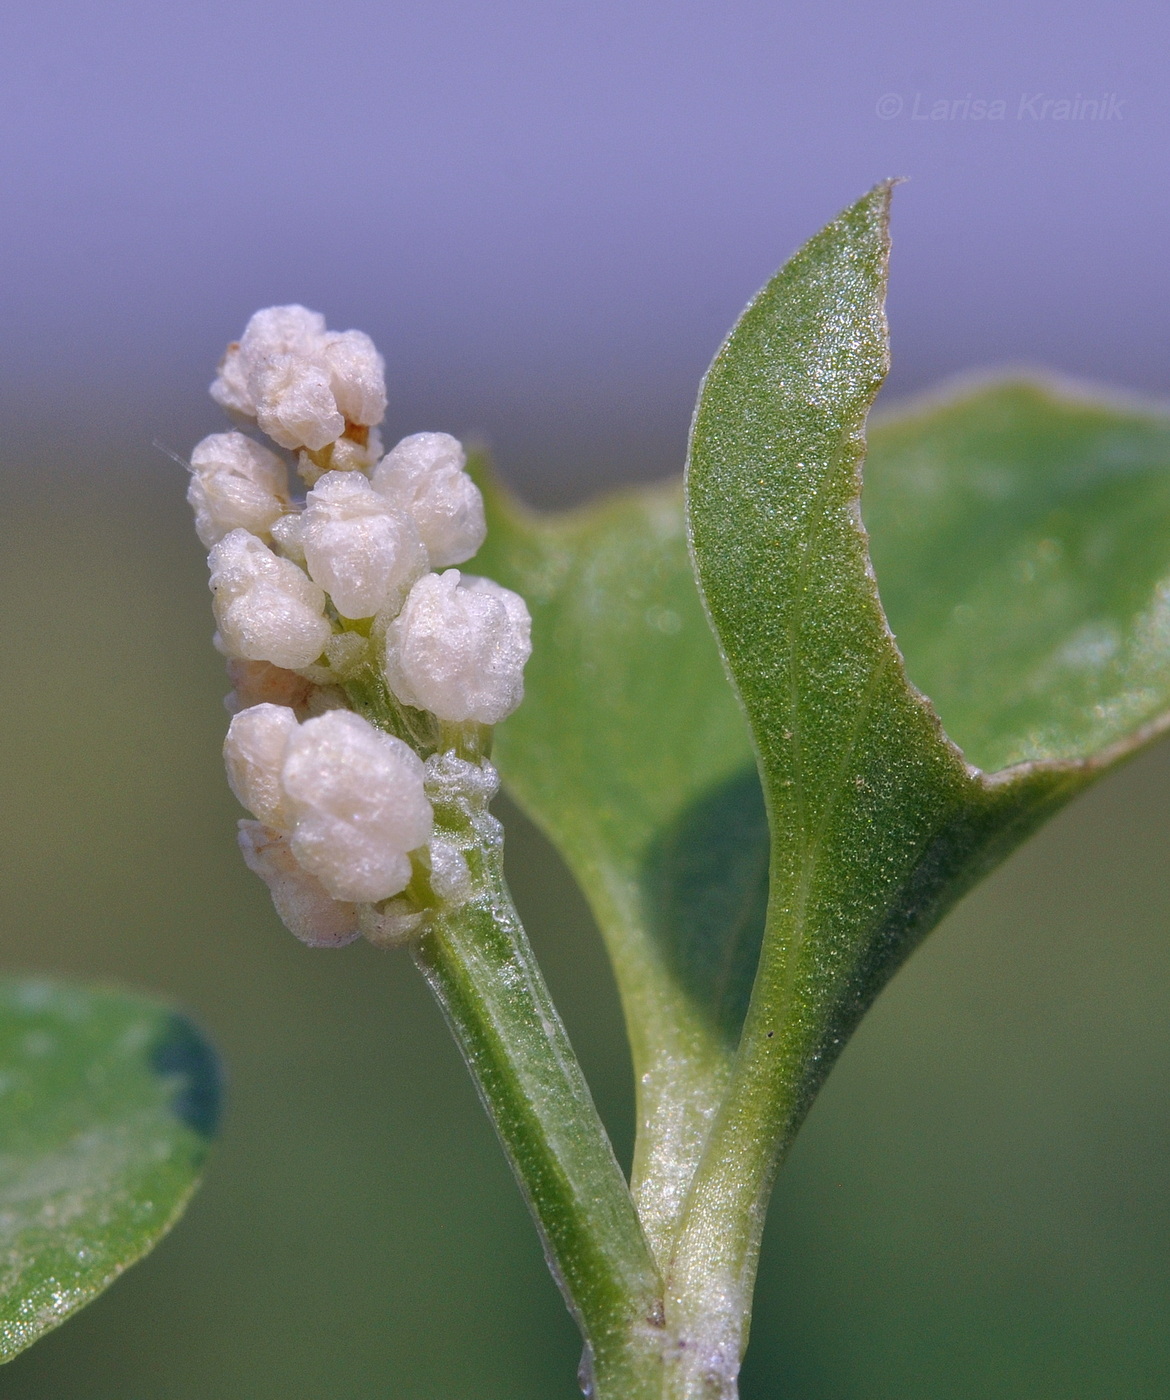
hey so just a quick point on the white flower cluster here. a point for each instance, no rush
(307, 387)
(339, 808)
(304, 595)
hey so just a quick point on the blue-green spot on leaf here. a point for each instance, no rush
(187, 1061)
(107, 1103)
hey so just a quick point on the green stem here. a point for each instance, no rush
(478, 962)
(681, 1063)
(712, 1273)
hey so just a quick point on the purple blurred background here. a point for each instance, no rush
(549, 214)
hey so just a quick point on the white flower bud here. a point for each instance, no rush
(235, 484)
(361, 551)
(286, 535)
(305, 906)
(347, 455)
(230, 386)
(253, 754)
(458, 648)
(294, 402)
(424, 475)
(282, 330)
(301, 382)
(357, 375)
(277, 330)
(344, 455)
(266, 608)
(358, 800)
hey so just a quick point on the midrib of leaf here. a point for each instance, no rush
(813, 849)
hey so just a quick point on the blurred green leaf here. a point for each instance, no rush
(1021, 537)
(107, 1105)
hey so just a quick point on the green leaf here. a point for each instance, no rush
(107, 1105)
(878, 824)
(1019, 533)
(631, 753)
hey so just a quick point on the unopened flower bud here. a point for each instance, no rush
(424, 475)
(347, 454)
(275, 331)
(357, 547)
(305, 906)
(266, 608)
(458, 648)
(357, 375)
(253, 754)
(300, 382)
(357, 798)
(286, 536)
(235, 484)
(294, 402)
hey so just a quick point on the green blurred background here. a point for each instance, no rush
(977, 1207)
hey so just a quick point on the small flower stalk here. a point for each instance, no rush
(366, 668)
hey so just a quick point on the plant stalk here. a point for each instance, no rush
(478, 963)
(711, 1278)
